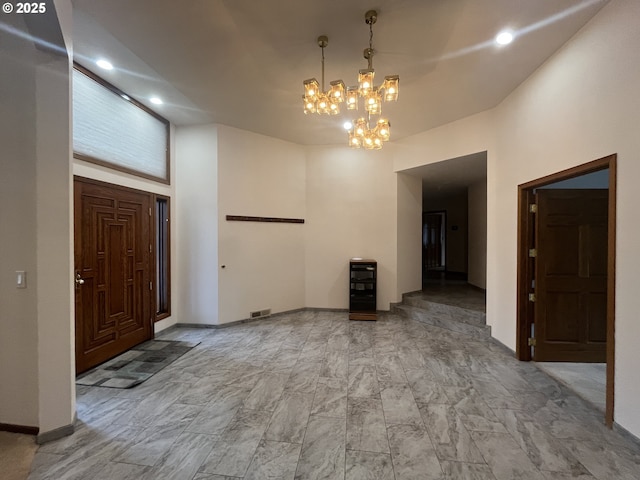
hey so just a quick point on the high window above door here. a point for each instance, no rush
(111, 129)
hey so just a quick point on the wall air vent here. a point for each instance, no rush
(260, 313)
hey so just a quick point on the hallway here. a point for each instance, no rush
(311, 395)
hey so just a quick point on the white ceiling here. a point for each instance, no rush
(242, 62)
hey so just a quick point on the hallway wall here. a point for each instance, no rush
(409, 232)
(477, 233)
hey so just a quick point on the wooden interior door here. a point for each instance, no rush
(113, 249)
(571, 275)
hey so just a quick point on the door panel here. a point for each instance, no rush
(560, 262)
(113, 258)
(562, 311)
(570, 275)
(597, 331)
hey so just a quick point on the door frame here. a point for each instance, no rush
(525, 265)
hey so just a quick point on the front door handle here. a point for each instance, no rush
(79, 280)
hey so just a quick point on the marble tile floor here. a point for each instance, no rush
(459, 294)
(587, 380)
(312, 395)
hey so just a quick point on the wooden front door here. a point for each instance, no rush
(571, 275)
(113, 228)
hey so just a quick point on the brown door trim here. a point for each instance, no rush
(524, 309)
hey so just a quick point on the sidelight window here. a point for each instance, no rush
(163, 253)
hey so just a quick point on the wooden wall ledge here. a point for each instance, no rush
(243, 218)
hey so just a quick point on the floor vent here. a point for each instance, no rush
(260, 313)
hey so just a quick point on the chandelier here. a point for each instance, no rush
(364, 132)
(316, 99)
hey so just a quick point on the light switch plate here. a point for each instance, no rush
(21, 279)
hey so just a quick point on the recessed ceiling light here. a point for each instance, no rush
(105, 64)
(504, 38)
(347, 125)
(156, 100)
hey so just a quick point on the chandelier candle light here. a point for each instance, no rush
(318, 100)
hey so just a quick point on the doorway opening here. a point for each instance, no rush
(566, 270)
(454, 221)
(434, 251)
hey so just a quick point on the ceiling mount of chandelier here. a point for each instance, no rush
(315, 98)
(362, 133)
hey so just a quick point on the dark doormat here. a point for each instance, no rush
(136, 365)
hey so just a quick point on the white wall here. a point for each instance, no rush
(18, 315)
(470, 135)
(409, 232)
(352, 212)
(264, 262)
(196, 224)
(36, 349)
(477, 231)
(55, 294)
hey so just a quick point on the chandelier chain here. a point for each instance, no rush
(370, 35)
(322, 67)
(369, 52)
